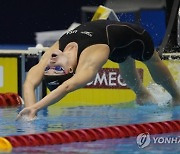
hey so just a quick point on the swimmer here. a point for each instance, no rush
(74, 60)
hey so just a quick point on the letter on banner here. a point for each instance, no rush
(1, 76)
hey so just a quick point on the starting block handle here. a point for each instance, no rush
(103, 12)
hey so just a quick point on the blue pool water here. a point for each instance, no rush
(57, 119)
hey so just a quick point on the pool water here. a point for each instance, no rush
(57, 119)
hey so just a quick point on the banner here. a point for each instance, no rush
(8, 74)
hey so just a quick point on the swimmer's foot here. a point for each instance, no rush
(145, 99)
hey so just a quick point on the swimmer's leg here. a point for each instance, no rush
(161, 75)
(129, 73)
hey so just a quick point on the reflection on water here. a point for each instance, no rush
(86, 117)
(109, 146)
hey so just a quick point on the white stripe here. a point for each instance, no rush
(121, 26)
(1, 76)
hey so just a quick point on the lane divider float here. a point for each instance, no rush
(10, 100)
(5, 145)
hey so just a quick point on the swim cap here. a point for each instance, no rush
(53, 81)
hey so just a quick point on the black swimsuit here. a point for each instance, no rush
(124, 39)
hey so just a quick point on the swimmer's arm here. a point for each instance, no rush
(34, 76)
(85, 73)
(76, 82)
(72, 84)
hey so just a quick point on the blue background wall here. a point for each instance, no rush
(154, 21)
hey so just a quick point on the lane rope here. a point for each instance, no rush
(10, 100)
(93, 134)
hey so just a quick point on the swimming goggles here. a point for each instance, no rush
(56, 68)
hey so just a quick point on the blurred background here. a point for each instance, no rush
(20, 19)
(25, 24)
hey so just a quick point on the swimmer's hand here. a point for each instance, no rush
(27, 114)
